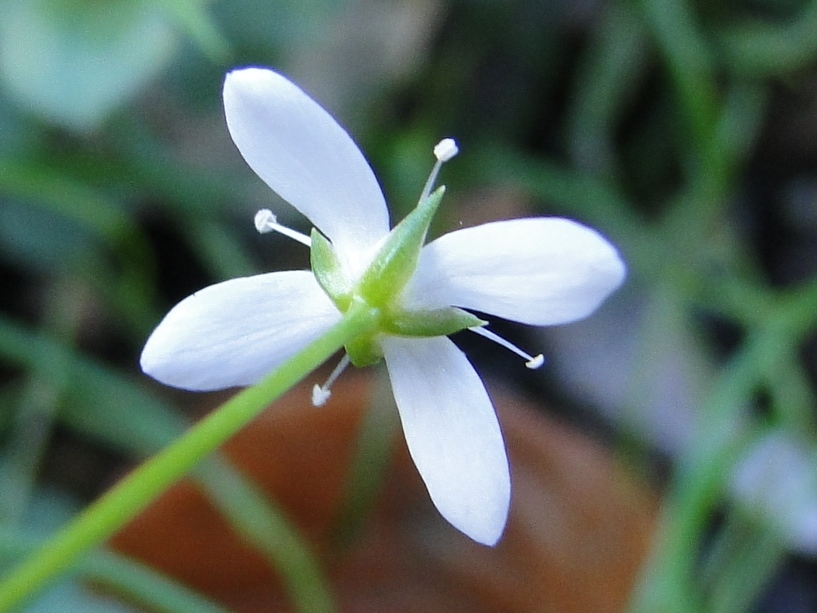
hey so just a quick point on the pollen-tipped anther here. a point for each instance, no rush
(266, 221)
(446, 149)
(320, 396)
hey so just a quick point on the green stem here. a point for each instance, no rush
(689, 60)
(36, 409)
(762, 48)
(373, 452)
(139, 424)
(126, 499)
(609, 74)
(668, 583)
(742, 578)
(124, 577)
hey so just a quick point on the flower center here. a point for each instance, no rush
(383, 281)
(394, 262)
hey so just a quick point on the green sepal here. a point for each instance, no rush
(328, 271)
(396, 260)
(363, 351)
(431, 322)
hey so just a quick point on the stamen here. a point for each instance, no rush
(533, 362)
(446, 149)
(266, 221)
(443, 151)
(321, 393)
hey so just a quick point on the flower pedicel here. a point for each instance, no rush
(538, 271)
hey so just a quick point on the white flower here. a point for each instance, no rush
(776, 481)
(536, 271)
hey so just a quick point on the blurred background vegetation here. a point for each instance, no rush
(684, 131)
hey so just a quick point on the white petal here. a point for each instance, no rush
(236, 332)
(309, 160)
(452, 433)
(539, 271)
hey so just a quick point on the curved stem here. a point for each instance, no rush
(127, 498)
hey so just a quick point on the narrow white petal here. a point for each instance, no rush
(539, 271)
(452, 433)
(235, 332)
(309, 160)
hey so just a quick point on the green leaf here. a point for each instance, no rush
(36, 239)
(98, 401)
(193, 17)
(74, 63)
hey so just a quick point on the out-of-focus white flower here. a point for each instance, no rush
(777, 481)
(537, 271)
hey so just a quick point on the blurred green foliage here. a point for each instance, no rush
(680, 129)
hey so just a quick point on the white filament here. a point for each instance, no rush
(443, 151)
(533, 362)
(321, 393)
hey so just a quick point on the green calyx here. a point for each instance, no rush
(391, 267)
(396, 259)
(329, 271)
(383, 282)
(429, 322)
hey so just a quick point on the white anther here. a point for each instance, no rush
(321, 393)
(533, 362)
(319, 396)
(266, 221)
(446, 149)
